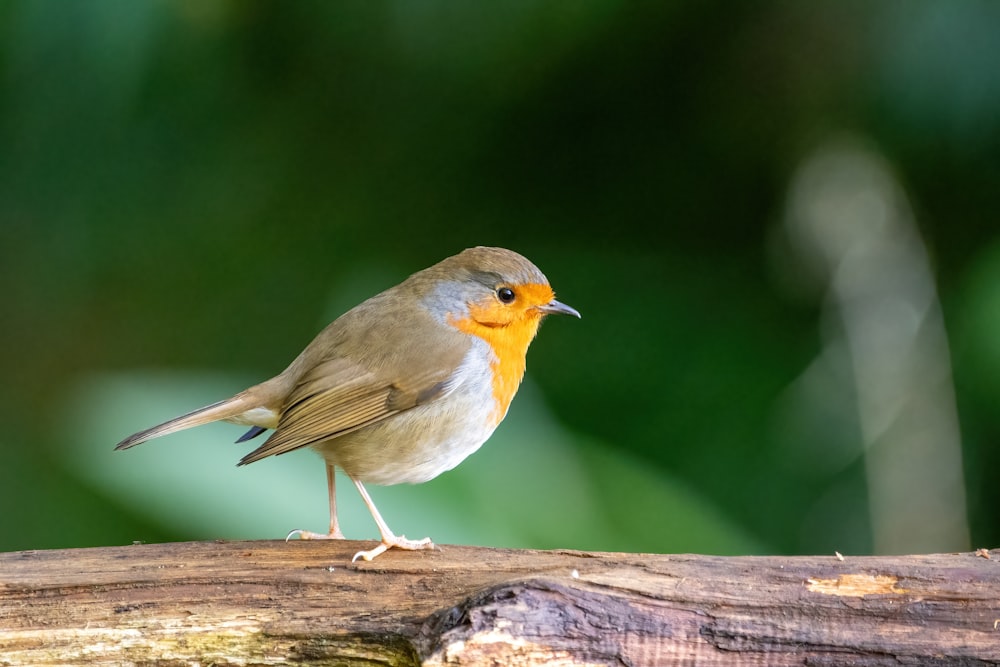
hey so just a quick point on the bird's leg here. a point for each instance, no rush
(334, 534)
(389, 540)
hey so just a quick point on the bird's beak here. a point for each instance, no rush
(554, 307)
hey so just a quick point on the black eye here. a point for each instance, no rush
(506, 295)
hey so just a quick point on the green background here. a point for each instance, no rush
(190, 190)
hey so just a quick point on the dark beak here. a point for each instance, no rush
(554, 307)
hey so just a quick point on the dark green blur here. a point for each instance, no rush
(201, 186)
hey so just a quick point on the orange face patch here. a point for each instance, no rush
(492, 313)
(508, 329)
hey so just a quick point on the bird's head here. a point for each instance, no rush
(484, 289)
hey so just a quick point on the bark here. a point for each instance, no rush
(277, 603)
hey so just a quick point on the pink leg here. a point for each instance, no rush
(389, 540)
(334, 534)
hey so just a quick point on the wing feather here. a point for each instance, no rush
(337, 397)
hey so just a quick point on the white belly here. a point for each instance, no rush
(421, 443)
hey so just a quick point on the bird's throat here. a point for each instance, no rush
(509, 345)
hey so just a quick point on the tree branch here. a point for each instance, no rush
(276, 603)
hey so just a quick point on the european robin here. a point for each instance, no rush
(403, 386)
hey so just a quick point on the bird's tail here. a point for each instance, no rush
(229, 409)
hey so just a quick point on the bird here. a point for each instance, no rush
(402, 387)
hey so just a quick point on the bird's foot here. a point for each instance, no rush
(390, 542)
(309, 535)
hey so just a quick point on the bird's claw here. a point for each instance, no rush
(309, 535)
(394, 542)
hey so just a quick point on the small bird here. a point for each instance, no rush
(403, 386)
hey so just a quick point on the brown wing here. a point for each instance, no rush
(337, 396)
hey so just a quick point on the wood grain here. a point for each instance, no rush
(277, 603)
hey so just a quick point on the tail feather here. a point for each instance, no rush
(251, 434)
(227, 409)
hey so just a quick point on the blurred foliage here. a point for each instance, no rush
(200, 186)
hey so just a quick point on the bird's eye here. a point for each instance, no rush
(506, 295)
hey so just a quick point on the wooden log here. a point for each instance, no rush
(277, 603)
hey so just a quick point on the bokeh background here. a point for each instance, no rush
(778, 219)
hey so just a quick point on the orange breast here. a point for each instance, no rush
(509, 342)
